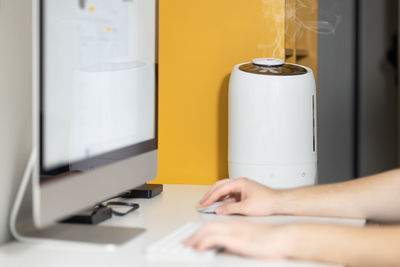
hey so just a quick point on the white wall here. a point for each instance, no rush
(15, 100)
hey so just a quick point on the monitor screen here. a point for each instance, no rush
(98, 83)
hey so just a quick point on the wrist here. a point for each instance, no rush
(291, 236)
(281, 202)
(311, 241)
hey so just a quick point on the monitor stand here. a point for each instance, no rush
(85, 233)
(23, 228)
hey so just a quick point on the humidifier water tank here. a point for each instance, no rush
(272, 123)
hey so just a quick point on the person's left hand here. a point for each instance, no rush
(251, 239)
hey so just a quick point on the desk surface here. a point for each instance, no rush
(160, 215)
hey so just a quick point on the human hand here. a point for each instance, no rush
(250, 239)
(246, 196)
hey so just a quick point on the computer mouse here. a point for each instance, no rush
(211, 208)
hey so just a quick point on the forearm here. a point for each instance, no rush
(368, 246)
(376, 197)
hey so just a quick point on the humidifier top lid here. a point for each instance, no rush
(272, 66)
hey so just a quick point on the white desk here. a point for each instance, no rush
(160, 215)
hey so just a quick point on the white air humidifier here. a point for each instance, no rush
(272, 123)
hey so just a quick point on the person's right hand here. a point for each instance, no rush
(248, 197)
(249, 239)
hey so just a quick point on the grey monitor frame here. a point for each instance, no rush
(57, 198)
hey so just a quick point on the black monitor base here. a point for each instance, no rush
(144, 191)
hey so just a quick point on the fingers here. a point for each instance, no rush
(234, 186)
(213, 188)
(232, 208)
(207, 228)
(209, 236)
(213, 241)
(230, 198)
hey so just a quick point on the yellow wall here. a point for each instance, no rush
(200, 42)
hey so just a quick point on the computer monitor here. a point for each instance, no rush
(96, 123)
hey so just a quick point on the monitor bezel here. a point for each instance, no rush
(50, 174)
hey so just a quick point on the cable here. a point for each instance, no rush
(21, 193)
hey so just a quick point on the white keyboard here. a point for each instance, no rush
(170, 247)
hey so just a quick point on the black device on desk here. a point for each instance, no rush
(90, 216)
(103, 211)
(144, 191)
